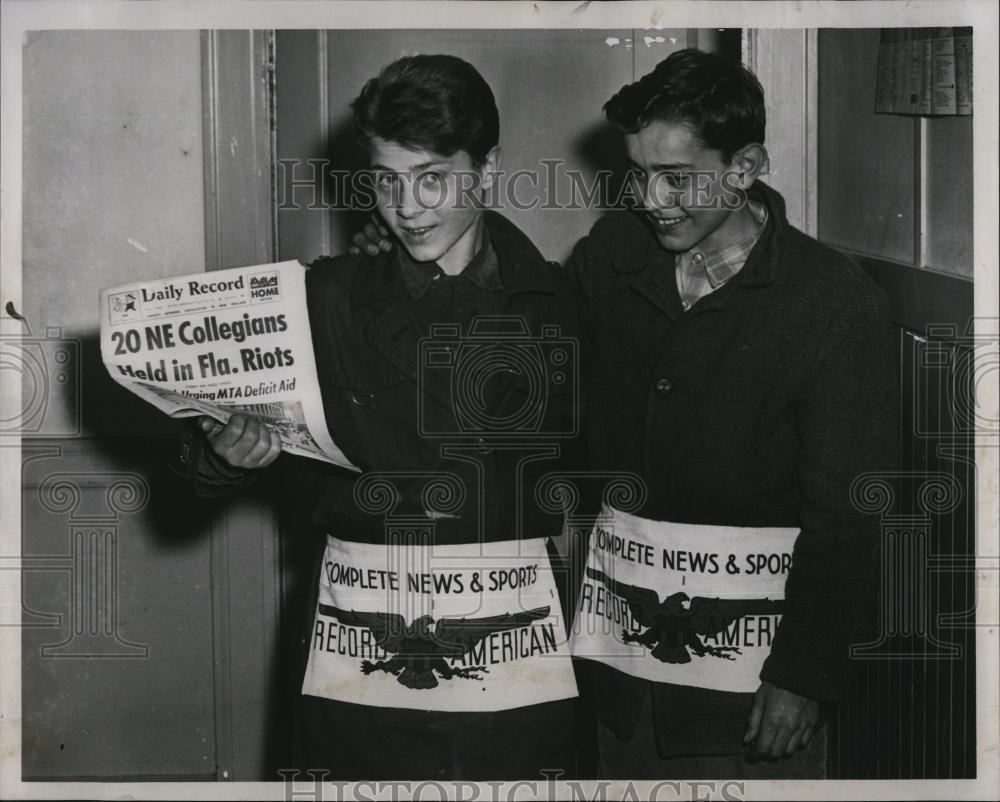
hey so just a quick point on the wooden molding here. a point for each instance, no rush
(785, 62)
(239, 148)
(919, 297)
(237, 70)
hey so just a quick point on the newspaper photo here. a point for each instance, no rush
(217, 343)
(665, 336)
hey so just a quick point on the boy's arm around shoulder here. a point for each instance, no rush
(591, 264)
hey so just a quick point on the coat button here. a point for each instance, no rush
(482, 446)
(363, 399)
(664, 386)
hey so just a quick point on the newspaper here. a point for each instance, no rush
(222, 342)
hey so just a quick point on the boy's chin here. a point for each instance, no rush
(424, 252)
(673, 242)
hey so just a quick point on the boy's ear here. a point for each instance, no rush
(749, 162)
(490, 166)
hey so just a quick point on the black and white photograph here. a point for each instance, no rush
(499, 400)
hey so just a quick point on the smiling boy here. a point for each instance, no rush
(749, 371)
(437, 649)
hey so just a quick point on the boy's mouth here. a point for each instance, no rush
(417, 234)
(667, 224)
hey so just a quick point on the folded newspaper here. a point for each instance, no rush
(222, 342)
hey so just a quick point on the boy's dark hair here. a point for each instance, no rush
(720, 99)
(436, 103)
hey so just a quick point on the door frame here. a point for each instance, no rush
(240, 224)
(787, 66)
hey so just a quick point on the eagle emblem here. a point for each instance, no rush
(419, 649)
(675, 625)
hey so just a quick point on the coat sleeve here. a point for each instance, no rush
(578, 270)
(209, 474)
(847, 425)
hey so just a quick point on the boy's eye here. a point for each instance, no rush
(431, 178)
(386, 180)
(676, 179)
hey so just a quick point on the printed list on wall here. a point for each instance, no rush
(925, 72)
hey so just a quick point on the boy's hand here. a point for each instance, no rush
(371, 239)
(781, 722)
(244, 442)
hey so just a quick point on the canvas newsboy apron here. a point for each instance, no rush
(687, 604)
(461, 627)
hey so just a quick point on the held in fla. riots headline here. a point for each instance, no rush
(207, 364)
(236, 340)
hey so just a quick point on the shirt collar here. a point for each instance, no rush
(521, 267)
(483, 271)
(721, 265)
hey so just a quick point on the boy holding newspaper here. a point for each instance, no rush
(448, 369)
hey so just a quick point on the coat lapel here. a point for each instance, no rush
(654, 277)
(655, 274)
(391, 332)
(384, 313)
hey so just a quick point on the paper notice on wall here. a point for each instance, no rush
(219, 343)
(943, 87)
(924, 71)
(963, 71)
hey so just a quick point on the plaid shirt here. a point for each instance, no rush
(702, 272)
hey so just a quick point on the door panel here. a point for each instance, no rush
(150, 616)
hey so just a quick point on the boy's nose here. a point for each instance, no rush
(649, 199)
(659, 195)
(409, 204)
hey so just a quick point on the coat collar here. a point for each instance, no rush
(483, 271)
(384, 309)
(756, 272)
(653, 267)
(522, 267)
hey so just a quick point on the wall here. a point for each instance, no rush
(118, 639)
(947, 193)
(896, 192)
(894, 187)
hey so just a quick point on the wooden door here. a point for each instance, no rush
(148, 616)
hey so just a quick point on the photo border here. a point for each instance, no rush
(20, 16)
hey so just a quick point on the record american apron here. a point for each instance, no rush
(687, 604)
(469, 627)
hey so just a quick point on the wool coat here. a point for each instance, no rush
(759, 406)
